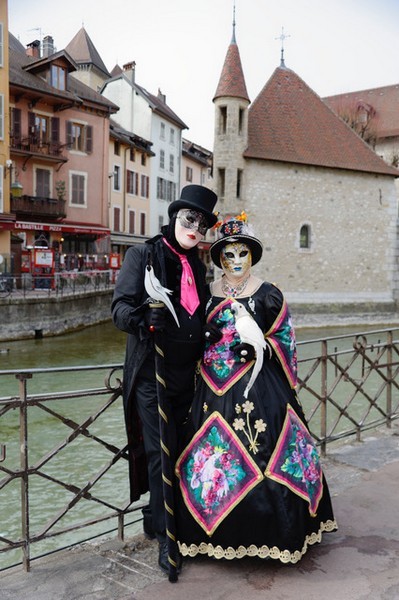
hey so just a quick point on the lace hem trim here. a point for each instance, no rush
(284, 556)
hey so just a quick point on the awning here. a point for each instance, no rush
(57, 227)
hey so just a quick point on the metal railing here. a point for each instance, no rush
(61, 284)
(61, 450)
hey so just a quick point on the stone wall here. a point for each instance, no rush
(24, 318)
(353, 223)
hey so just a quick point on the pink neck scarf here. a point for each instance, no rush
(188, 291)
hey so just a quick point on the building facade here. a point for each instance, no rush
(322, 202)
(59, 141)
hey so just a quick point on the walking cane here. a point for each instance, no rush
(167, 450)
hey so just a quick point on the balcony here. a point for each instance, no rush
(32, 147)
(37, 206)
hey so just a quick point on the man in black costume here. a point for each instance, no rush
(173, 256)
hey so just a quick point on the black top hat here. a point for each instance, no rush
(236, 230)
(196, 197)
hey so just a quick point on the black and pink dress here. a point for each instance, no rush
(250, 478)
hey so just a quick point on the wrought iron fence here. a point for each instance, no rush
(63, 456)
(64, 283)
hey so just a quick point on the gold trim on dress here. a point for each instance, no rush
(285, 556)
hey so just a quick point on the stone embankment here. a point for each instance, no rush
(40, 314)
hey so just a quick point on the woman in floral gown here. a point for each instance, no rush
(250, 478)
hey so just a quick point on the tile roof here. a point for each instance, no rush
(289, 122)
(384, 101)
(77, 91)
(232, 82)
(158, 104)
(83, 51)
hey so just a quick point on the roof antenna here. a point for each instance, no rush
(282, 37)
(233, 39)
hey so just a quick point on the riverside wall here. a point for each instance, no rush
(30, 317)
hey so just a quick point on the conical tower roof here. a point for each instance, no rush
(232, 82)
(289, 122)
(83, 51)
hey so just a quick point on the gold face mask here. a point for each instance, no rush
(236, 259)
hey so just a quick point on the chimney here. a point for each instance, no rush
(161, 96)
(48, 45)
(130, 70)
(33, 49)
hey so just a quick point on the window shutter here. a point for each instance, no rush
(89, 139)
(55, 130)
(31, 125)
(16, 124)
(69, 134)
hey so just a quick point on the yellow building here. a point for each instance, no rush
(5, 163)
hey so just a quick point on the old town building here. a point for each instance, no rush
(320, 199)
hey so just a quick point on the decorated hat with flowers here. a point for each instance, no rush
(236, 229)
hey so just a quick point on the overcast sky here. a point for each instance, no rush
(180, 45)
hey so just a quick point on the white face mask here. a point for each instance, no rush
(187, 237)
(236, 260)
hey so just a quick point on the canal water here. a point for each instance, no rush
(98, 345)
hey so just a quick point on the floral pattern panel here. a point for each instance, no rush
(216, 473)
(220, 367)
(295, 461)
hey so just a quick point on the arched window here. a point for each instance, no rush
(304, 236)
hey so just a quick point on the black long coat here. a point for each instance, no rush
(128, 308)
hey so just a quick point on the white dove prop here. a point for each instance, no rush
(250, 333)
(157, 292)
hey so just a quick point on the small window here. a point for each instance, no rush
(172, 137)
(162, 132)
(223, 119)
(132, 154)
(240, 120)
(79, 137)
(117, 148)
(189, 174)
(117, 178)
(143, 160)
(43, 183)
(222, 182)
(239, 183)
(58, 77)
(171, 163)
(78, 189)
(145, 187)
(304, 237)
(162, 159)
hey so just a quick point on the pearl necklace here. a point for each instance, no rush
(229, 290)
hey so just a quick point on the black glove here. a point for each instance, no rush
(155, 319)
(211, 333)
(245, 352)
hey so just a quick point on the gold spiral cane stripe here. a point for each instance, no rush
(161, 381)
(166, 480)
(168, 508)
(164, 448)
(163, 415)
(159, 350)
(170, 535)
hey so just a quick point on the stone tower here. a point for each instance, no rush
(231, 132)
